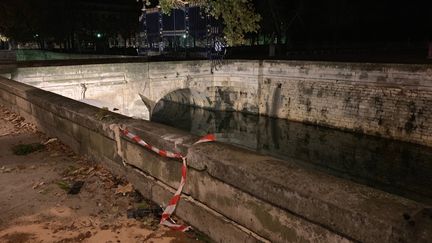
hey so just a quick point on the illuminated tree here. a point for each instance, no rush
(239, 16)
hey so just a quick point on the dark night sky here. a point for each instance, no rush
(317, 21)
(354, 20)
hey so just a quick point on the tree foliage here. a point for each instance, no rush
(64, 20)
(239, 16)
(18, 19)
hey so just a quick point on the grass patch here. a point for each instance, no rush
(143, 205)
(103, 114)
(24, 149)
(68, 171)
(64, 185)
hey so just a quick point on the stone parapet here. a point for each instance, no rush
(233, 195)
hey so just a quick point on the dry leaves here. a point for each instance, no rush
(5, 169)
(18, 122)
(124, 189)
(38, 184)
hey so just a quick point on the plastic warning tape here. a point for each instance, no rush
(172, 204)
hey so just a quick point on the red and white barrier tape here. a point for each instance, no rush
(169, 210)
(161, 152)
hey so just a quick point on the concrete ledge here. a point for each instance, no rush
(233, 195)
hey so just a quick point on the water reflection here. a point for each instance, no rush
(397, 167)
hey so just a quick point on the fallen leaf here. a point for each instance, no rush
(38, 185)
(50, 141)
(124, 189)
(7, 170)
(90, 170)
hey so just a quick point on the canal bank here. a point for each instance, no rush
(397, 167)
(231, 194)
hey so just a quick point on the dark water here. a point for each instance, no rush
(396, 167)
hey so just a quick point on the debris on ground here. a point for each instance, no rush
(5, 169)
(35, 205)
(76, 187)
(50, 141)
(137, 196)
(63, 185)
(37, 185)
(124, 189)
(19, 125)
(139, 213)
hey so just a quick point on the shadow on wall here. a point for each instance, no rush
(186, 96)
(211, 98)
(397, 167)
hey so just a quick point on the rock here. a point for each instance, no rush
(140, 213)
(137, 196)
(104, 226)
(76, 187)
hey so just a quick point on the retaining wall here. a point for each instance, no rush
(113, 85)
(233, 195)
(386, 100)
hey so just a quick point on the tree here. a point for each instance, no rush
(239, 16)
(33, 21)
(18, 20)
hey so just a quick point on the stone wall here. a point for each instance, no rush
(397, 167)
(113, 86)
(229, 195)
(387, 100)
(393, 101)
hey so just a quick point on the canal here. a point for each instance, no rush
(397, 167)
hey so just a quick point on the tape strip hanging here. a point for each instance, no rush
(116, 129)
(172, 204)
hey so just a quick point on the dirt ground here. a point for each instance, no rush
(36, 204)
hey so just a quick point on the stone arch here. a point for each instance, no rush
(185, 96)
